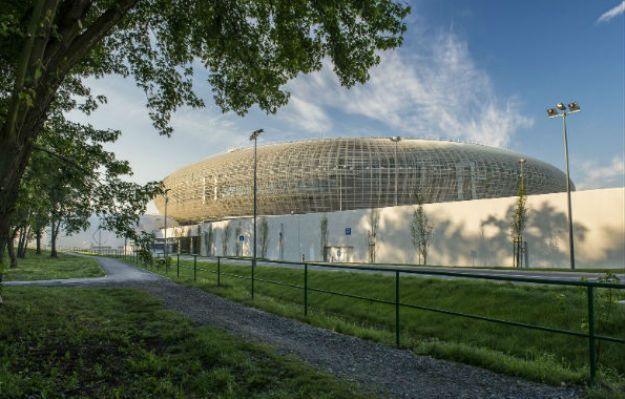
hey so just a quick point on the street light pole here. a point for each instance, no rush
(568, 193)
(562, 111)
(165, 251)
(339, 171)
(520, 221)
(254, 136)
(396, 139)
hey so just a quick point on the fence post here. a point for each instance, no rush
(195, 267)
(218, 271)
(305, 289)
(253, 267)
(397, 308)
(591, 334)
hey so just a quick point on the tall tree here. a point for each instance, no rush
(225, 239)
(519, 219)
(208, 240)
(421, 231)
(323, 226)
(71, 177)
(238, 244)
(374, 221)
(250, 48)
(264, 237)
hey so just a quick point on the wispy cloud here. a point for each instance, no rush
(209, 127)
(305, 115)
(613, 12)
(439, 92)
(595, 175)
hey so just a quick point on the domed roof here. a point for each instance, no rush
(350, 173)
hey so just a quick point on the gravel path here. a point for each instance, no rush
(391, 372)
(115, 272)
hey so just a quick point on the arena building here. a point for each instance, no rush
(330, 175)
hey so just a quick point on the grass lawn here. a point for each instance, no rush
(43, 267)
(121, 343)
(541, 356)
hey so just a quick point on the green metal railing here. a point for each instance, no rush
(589, 285)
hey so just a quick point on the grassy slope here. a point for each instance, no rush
(540, 356)
(578, 269)
(615, 269)
(115, 343)
(43, 267)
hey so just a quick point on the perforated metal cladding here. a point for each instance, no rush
(353, 173)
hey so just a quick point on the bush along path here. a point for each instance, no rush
(375, 367)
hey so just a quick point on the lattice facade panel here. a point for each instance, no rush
(352, 173)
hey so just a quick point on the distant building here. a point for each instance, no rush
(334, 200)
(350, 173)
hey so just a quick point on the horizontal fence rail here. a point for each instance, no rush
(396, 273)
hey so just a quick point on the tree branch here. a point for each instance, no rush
(35, 67)
(90, 38)
(8, 130)
(61, 157)
(64, 61)
(72, 13)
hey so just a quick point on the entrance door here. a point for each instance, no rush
(338, 254)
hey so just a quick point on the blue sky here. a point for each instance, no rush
(477, 71)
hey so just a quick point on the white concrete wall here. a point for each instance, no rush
(465, 233)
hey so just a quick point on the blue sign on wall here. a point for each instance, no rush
(348, 231)
(241, 238)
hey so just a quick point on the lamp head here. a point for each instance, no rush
(255, 134)
(552, 113)
(395, 139)
(561, 106)
(574, 107)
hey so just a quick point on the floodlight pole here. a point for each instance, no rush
(396, 139)
(519, 243)
(568, 194)
(254, 137)
(396, 173)
(165, 229)
(562, 110)
(338, 171)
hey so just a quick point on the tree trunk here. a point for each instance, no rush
(53, 233)
(13, 159)
(11, 250)
(2, 254)
(23, 242)
(20, 241)
(38, 240)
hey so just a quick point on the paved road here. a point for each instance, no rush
(387, 371)
(533, 274)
